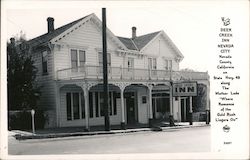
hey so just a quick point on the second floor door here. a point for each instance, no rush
(130, 70)
(152, 66)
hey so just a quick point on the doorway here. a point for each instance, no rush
(130, 107)
(184, 109)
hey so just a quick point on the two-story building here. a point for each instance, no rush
(142, 71)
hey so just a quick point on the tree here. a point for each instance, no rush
(187, 70)
(201, 98)
(23, 92)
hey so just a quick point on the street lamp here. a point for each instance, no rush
(33, 120)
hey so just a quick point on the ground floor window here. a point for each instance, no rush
(160, 104)
(75, 105)
(99, 103)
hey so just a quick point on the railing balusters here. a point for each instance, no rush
(89, 71)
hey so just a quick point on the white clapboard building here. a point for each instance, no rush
(143, 75)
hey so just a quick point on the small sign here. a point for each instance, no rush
(184, 89)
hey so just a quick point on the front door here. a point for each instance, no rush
(184, 109)
(130, 107)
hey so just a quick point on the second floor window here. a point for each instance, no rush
(152, 63)
(130, 63)
(100, 57)
(78, 58)
(45, 62)
(169, 65)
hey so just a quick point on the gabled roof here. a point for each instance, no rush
(81, 22)
(128, 42)
(136, 44)
(133, 44)
(48, 36)
(139, 42)
(143, 40)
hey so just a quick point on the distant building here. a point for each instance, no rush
(144, 78)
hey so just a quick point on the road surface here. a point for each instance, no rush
(173, 140)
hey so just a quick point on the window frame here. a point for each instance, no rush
(81, 106)
(101, 58)
(45, 62)
(96, 106)
(79, 62)
(100, 61)
(152, 63)
(99, 110)
(132, 62)
(169, 64)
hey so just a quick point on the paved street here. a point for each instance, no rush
(173, 140)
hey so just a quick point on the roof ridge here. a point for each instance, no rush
(141, 35)
(134, 44)
(139, 42)
(148, 34)
(37, 39)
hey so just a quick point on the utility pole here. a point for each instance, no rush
(171, 118)
(105, 71)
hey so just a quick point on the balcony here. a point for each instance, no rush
(95, 72)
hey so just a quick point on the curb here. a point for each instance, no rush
(61, 135)
(188, 126)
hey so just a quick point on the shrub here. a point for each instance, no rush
(22, 120)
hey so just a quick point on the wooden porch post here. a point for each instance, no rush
(171, 118)
(190, 111)
(123, 109)
(58, 111)
(150, 87)
(86, 105)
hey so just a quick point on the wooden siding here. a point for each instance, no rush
(142, 108)
(160, 49)
(47, 83)
(89, 38)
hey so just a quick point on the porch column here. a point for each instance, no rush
(86, 106)
(123, 109)
(190, 111)
(171, 118)
(179, 109)
(150, 87)
(58, 110)
(208, 104)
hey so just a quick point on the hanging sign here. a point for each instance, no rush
(184, 89)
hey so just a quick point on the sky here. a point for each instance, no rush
(191, 25)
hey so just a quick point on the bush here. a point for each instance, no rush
(22, 120)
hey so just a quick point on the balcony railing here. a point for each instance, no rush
(95, 72)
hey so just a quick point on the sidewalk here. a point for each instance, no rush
(97, 130)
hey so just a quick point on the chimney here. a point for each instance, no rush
(133, 32)
(12, 41)
(50, 21)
